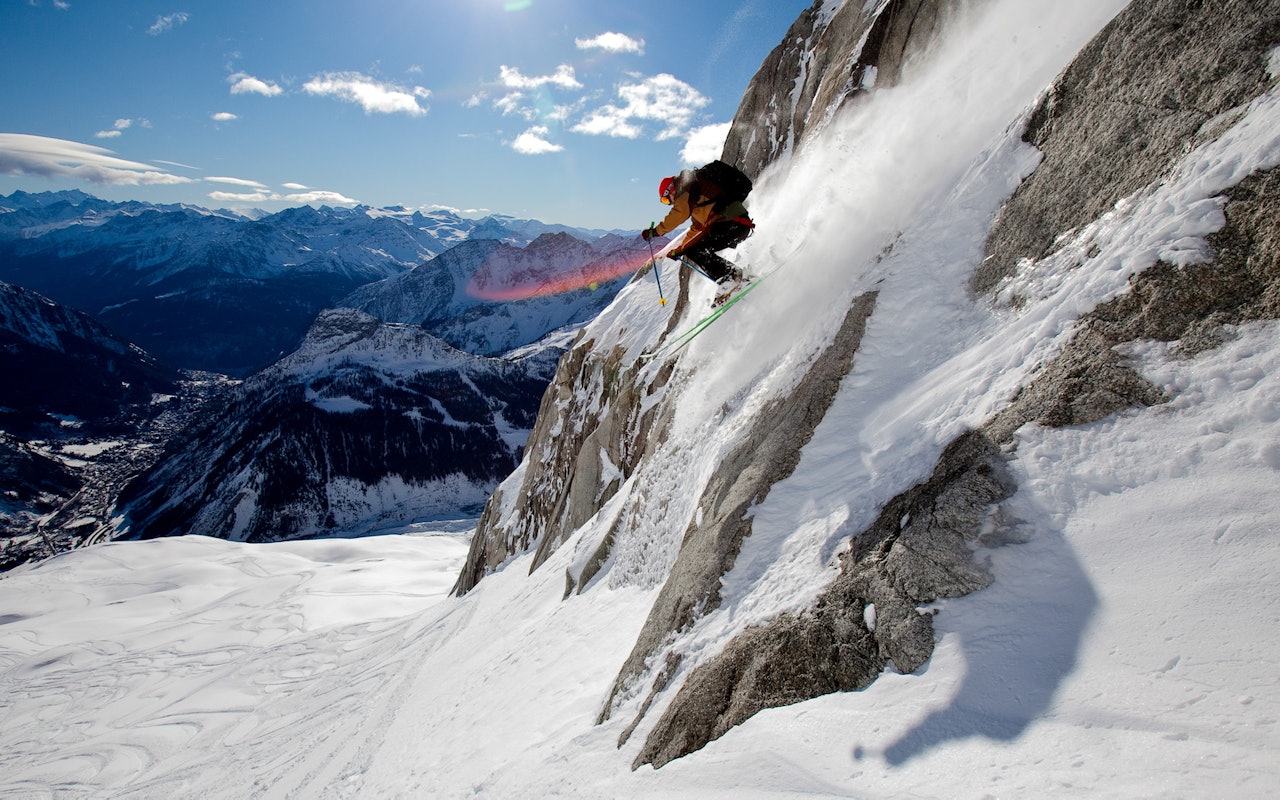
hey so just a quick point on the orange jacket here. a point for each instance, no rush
(684, 207)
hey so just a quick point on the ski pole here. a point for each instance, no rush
(653, 259)
(695, 268)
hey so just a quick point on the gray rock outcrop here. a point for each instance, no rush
(821, 64)
(1153, 84)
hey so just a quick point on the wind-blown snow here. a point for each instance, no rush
(1125, 649)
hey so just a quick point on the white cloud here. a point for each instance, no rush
(527, 96)
(514, 105)
(705, 144)
(608, 121)
(23, 154)
(236, 182)
(374, 96)
(224, 116)
(562, 113)
(563, 77)
(533, 142)
(176, 164)
(264, 196)
(242, 83)
(167, 23)
(613, 43)
(318, 196)
(297, 187)
(120, 126)
(246, 197)
(661, 99)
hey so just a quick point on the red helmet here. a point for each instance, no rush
(667, 189)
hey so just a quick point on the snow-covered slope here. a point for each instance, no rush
(698, 555)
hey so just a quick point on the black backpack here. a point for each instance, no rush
(722, 183)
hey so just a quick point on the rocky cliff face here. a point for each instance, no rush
(834, 52)
(1120, 115)
(611, 469)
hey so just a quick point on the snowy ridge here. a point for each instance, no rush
(389, 239)
(489, 297)
(186, 283)
(1119, 645)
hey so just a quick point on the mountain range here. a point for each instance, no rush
(215, 290)
(104, 439)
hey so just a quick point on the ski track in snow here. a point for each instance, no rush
(1124, 650)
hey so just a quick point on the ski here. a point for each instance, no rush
(701, 325)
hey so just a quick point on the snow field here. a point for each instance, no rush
(126, 664)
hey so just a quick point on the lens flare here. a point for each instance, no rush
(487, 283)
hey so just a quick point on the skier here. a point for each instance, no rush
(712, 197)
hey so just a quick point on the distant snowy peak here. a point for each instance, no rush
(361, 242)
(29, 200)
(345, 338)
(484, 270)
(428, 291)
(231, 293)
(487, 296)
(37, 215)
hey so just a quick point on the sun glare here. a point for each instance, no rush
(491, 284)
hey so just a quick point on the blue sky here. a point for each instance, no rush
(561, 110)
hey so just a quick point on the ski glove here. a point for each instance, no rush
(648, 233)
